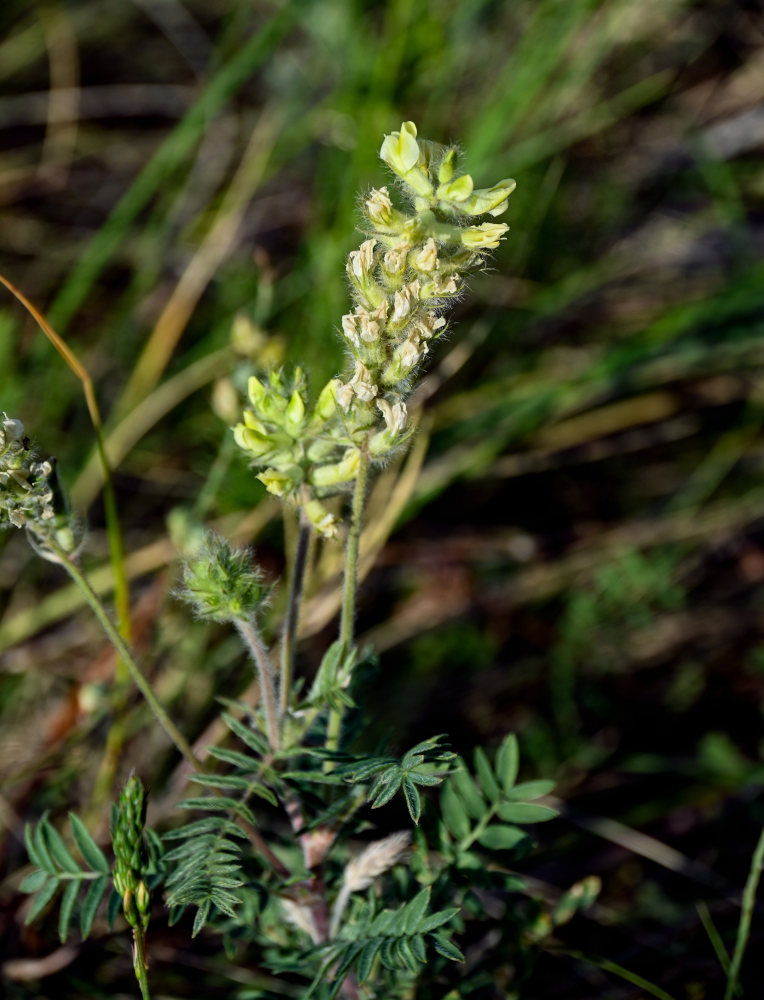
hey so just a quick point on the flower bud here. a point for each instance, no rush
(362, 384)
(493, 200)
(404, 303)
(379, 207)
(344, 393)
(440, 285)
(281, 482)
(371, 323)
(362, 260)
(486, 236)
(295, 413)
(400, 149)
(404, 361)
(326, 404)
(394, 416)
(447, 167)
(402, 154)
(427, 258)
(324, 522)
(338, 472)
(251, 440)
(457, 190)
(349, 329)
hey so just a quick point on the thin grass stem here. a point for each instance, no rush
(744, 927)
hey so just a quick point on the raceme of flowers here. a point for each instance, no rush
(403, 278)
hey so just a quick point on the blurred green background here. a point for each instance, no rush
(574, 549)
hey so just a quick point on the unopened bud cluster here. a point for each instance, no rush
(404, 278)
(29, 496)
(130, 855)
(221, 582)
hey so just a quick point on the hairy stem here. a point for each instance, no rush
(255, 644)
(292, 618)
(347, 622)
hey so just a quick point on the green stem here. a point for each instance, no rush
(252, 639)
(139, 961)
(744, 928)
(124, 653)
(351, 553)
(466, 842)
(347, 622)
(292, 618)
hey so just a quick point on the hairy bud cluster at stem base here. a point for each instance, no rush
(404, 278)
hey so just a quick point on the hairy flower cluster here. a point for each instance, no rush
(403, 278)
(221, 583)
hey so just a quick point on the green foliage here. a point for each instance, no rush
(423, 765)
(488, 807)
(57, 870)
(388, 941)
(207, 861)
(207, 867)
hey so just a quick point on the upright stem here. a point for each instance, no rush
(139, 961)
(292, 618)
(351, 555)
(251, 637)
(347, 622)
